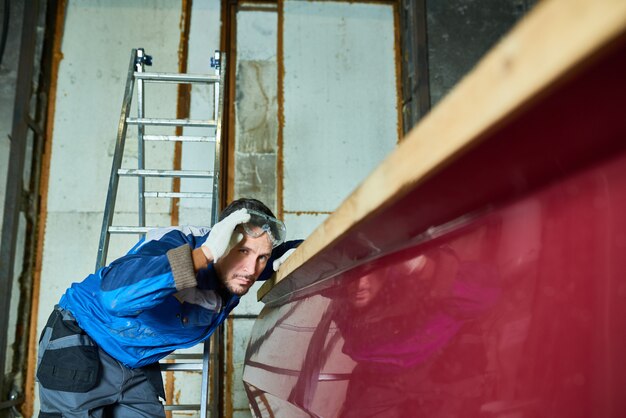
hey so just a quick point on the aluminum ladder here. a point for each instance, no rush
(137, 75)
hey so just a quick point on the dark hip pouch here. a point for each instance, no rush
(70, 361)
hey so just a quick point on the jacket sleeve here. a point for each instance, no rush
(148, 274)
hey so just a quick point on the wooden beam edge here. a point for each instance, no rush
(552, 43)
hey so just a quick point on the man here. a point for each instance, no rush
(99, 351)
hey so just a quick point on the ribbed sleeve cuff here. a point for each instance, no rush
(182, 267)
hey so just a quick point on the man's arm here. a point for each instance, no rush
(201, 258)
(144, 279)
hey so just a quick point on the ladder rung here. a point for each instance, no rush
(172, 195)
(191, 367)
(172, 122)
(177, 78)
(178, 138)
(196, 356)
(130, 229)
(165, 173)
(181, 407)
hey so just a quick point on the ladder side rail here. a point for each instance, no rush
(109, 208)
(204, 401)
(141, 181)
(218, 370)
(220, 59)
(218, 116)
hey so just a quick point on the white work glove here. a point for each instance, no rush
(223, 236)
(277, 263)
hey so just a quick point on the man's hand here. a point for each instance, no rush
(223, 236)
(277, 263)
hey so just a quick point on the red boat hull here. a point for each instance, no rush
(494, 288)
(518, 312)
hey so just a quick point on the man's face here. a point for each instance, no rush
(364, 289)
(239, 269)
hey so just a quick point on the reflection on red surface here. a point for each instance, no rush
(520, 312)
(514, 306)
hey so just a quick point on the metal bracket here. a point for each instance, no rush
(142, 58)
(216, 61)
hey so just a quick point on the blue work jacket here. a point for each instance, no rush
(135, 308)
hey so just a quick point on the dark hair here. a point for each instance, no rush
(246, 203)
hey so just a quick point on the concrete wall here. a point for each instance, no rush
(460, 32)
(204, 40)
(256, 107)
(341, 116)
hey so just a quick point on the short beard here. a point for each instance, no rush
(235, 289)
(239, 291)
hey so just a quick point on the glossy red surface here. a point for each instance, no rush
(521, 312)
(496, 289)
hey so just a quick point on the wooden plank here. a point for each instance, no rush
(554, 42)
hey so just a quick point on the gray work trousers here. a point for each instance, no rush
(120, 392)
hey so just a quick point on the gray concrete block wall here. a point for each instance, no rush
(257, 123)
(460, 32)
(204, 39)
(341, 116)
(256, 107)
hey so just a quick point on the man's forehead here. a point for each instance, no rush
(261, 244)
